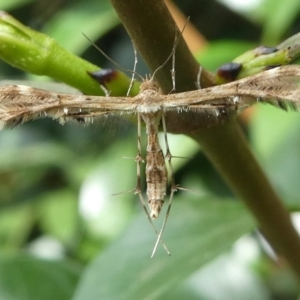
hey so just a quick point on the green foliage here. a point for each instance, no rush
(213, 225)
(46, 169)
(25, 277)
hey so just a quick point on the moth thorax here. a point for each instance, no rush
(155, 208)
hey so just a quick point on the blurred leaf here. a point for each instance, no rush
(217, 53)
(106, 196)
(58, 214)
(35, 154)
(12, 4)
(274, 137)
(236, 280)
(197, 232)
(27, 278)
(278, 17)
(94, 20)
(15, 226)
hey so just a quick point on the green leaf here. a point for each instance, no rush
(217, 53)
(94, 20)
(27, 278)
(58, 212)
(15, 226)
(197, 231)
(274, 134)
(12, 4)
(278, 17)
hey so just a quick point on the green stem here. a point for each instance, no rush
(152, 29)
(39, 54)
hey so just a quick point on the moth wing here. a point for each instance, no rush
(19, 104)
(279, 87)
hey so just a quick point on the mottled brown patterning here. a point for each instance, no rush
(156, 171)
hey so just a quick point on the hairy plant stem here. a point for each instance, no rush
(153, 31)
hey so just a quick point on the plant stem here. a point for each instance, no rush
(37, 53)
(152, 29)
(154, 39)
(240, 169)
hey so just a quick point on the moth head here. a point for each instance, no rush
(149, 85)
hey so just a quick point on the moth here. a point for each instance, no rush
(279, 86)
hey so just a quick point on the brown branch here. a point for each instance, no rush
(153, 31)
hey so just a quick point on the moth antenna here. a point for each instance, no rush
(172, 55)
(168, 156)
(134, 68)
(173, 70)
(198, 82)
(111, 60)
(138, 191)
